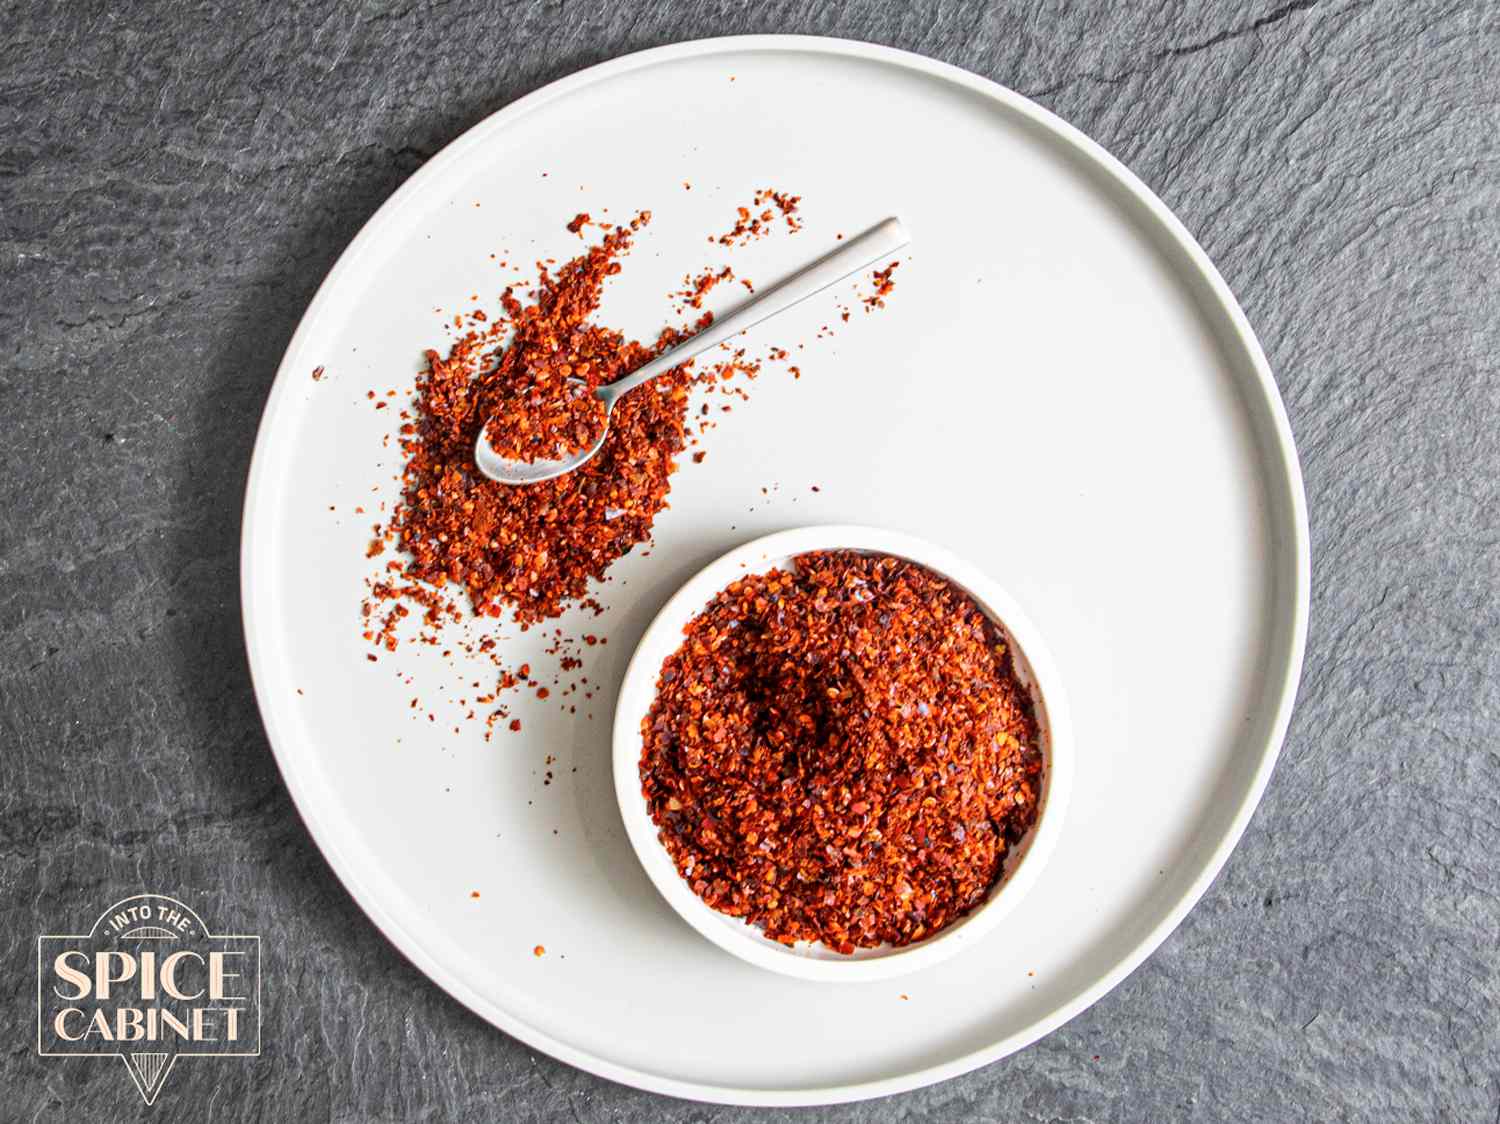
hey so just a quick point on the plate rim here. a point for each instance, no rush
(1290, 656)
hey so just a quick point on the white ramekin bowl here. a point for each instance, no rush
(1023, 865)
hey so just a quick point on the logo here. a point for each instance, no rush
(148, 984)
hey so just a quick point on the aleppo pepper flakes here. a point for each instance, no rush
(884, 283)
(546, 414)
(696, 288)
(756, 220)
(842, 753)
(536, 548)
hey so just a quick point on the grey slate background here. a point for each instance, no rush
(176, 178)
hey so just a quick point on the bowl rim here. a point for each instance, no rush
(662, 636)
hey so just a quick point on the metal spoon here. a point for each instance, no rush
(849, 258)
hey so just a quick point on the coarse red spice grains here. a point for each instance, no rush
(696, 288)
(842, 753)
(757, 220)
(536, 548)
(545, 413)
(884, 284)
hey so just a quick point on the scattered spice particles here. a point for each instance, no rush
(787, 205)
(539, 950)
(317, 374)
(696, 288)
(883, 286)
(758, 219)
(841, 753)
(473, 893)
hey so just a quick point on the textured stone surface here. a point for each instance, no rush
(175, 179)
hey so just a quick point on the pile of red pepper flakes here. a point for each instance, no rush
(536, 548)
(842, 753)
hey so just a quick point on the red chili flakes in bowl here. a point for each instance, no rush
(842, 753)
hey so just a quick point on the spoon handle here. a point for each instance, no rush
(888, 237)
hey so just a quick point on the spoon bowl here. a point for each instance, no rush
(833, 267)
(509, 471)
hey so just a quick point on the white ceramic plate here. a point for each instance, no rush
(1024, 862)
(1062, 390)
